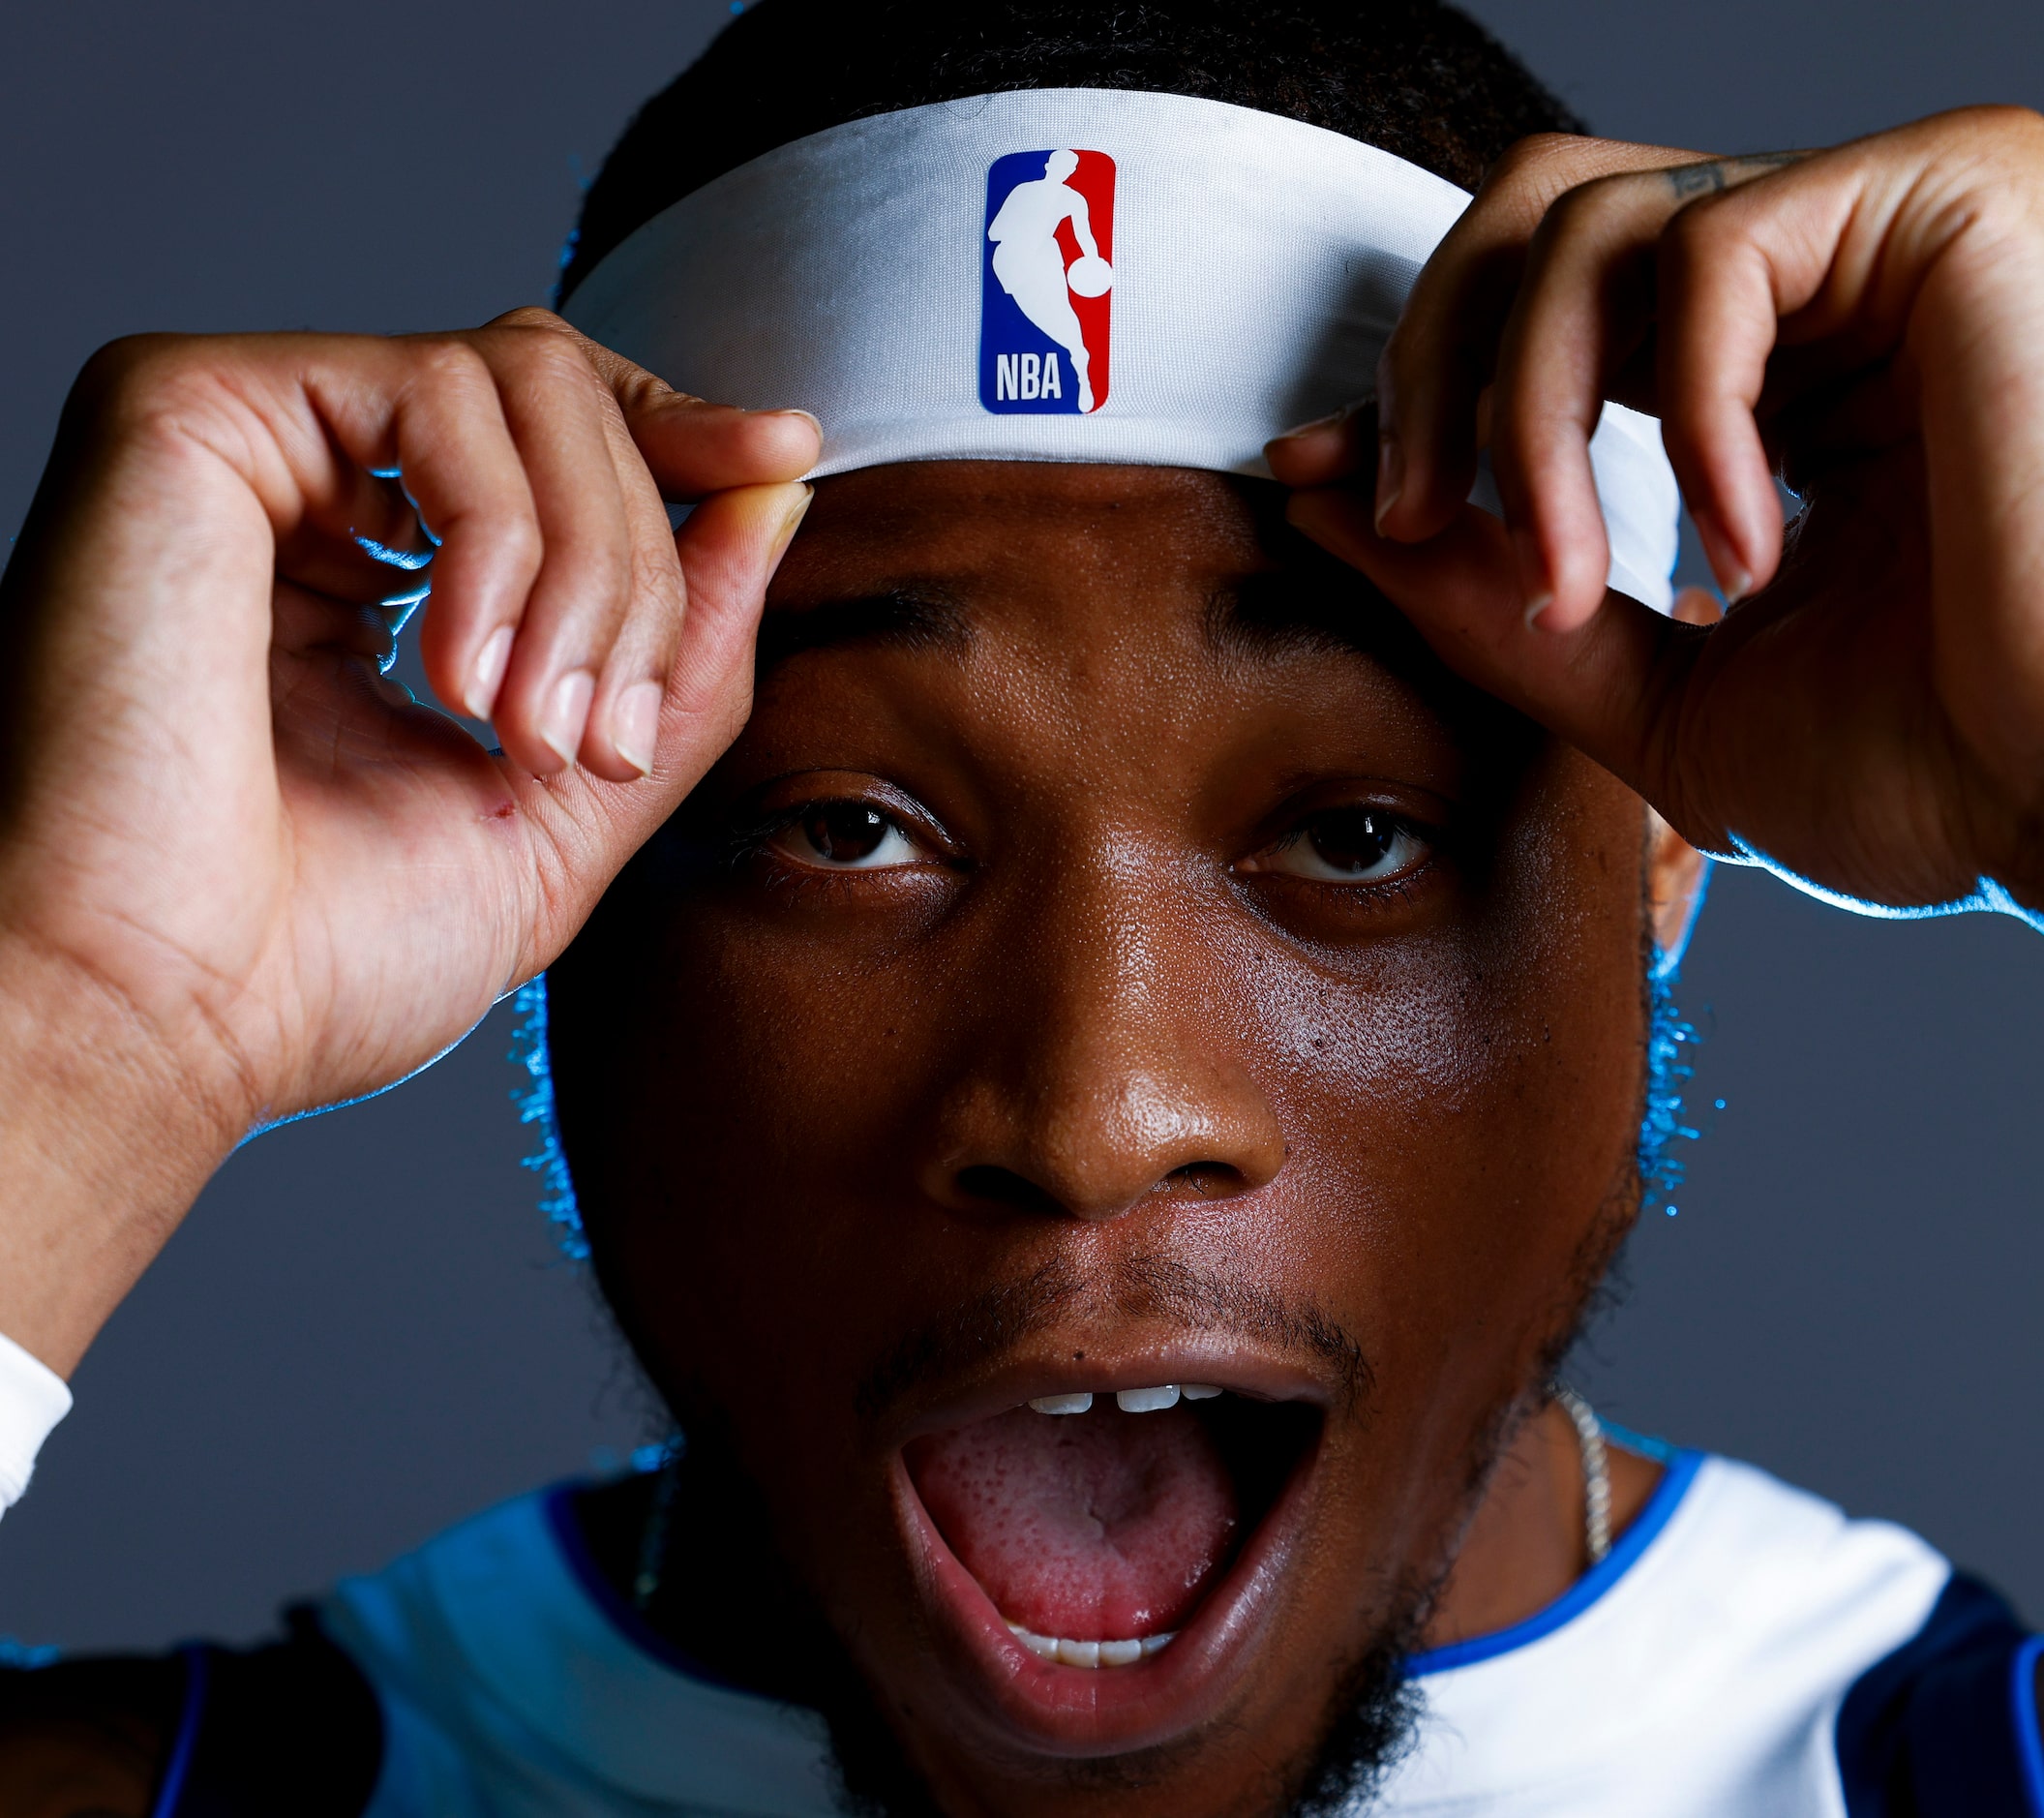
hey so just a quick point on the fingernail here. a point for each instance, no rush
(809, 418)
(792, 523)
(635, 725)
(1391, 472)
(488, 673)
(568, 712)
(1332, 420)
(1737, 585)
(1533, 585)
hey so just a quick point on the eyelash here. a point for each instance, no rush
(760, 842)
(1400, 833)
(757, 843)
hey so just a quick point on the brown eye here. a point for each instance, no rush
(1348, 847)
(845, 836)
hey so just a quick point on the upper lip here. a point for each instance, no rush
(1228, 1364)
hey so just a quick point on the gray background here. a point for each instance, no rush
(360, 1334)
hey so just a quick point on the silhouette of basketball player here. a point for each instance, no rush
(1031, 264)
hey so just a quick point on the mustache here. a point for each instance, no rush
(1138, 1287)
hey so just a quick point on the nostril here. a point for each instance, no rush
(1210, 1180)
(987, 1184)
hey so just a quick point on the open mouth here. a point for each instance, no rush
(1100, 1524)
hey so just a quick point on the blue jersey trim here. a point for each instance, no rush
(189, 1717)
(633, 1628)
(1681, 1472)
(2030, 1744)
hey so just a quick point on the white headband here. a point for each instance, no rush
(955, 282)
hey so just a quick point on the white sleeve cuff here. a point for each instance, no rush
(33, 1399)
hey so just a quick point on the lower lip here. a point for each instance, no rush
(1079, 1711)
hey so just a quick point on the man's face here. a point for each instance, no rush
(1113, 955)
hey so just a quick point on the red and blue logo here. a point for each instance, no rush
(1046, 296)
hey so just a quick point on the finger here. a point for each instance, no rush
(1732, 267)
(1586, 303)
(1583, 301)
(1322, 452)
(692, 447)
(555, 411)
(1444, 349)
(1611, 687)
(432, 411)
(360, 540)
(699, 448)
(729, 550)
(625, 719)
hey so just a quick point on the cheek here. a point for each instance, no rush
(751, 1128)
(1465, 1111)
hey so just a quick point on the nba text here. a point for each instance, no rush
(1025, 376)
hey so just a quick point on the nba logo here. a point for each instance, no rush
(1044, 299)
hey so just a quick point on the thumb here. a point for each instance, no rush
(1614, 687)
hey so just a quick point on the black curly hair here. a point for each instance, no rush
(1414, 77)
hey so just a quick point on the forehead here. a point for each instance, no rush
(1151, 588)
(1165, 528)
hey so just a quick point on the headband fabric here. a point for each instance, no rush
(1065, 274)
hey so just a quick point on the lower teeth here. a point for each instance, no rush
(1089, 1653)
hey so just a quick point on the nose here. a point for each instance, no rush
(1105, 1064)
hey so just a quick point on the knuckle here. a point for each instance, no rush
(140, 370)
(1536, 155)
(636, 389)
(658, 587)
(2024, 124)
(531, 315)
(1588, 203)
(1533, 172)
(549, 360)
(156, 387)
(597, 575)
(1701, 230)
(515, 538)
(449, 362)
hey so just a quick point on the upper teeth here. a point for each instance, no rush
(1147, 1401)
(1129, 1401)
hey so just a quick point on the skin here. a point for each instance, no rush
(1090, 1021)
(1865, 318)
(238, 879)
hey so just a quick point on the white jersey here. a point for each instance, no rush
(1745, 1650)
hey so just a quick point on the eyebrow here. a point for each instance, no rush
(1277, 613)
(916, 618)
(1261, 618)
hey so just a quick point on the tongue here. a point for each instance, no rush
(1094, 1527)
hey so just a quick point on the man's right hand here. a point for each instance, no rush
(241, 875)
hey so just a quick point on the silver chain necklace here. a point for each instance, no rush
(1596, 1473)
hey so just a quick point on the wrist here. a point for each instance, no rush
(108, 1139)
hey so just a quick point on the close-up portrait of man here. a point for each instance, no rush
(1055, 685)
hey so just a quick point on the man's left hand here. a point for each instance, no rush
(1869, 322)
